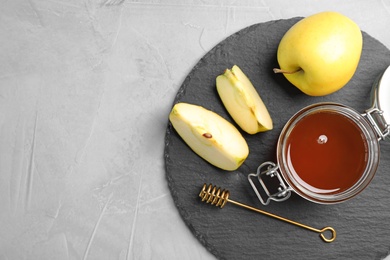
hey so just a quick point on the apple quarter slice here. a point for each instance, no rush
(209, 135)
(243, 102)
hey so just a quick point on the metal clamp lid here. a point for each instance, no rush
(269, 169)
(379, 113)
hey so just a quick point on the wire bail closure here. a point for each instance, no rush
(379, 113)
(269, 169)
(375, 116)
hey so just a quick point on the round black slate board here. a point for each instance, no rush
(362, 224)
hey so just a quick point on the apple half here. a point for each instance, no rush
(243, 102)
(209, 135)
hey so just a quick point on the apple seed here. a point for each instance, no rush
(207, 135)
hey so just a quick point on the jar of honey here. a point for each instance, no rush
(328, 152)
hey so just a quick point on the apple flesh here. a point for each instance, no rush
(243, 102)
(320, 53)
(209, 135)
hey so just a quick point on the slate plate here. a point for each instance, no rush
(362, 224)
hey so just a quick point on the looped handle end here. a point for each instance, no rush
(332, 231)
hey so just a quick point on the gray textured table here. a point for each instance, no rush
(85, 92)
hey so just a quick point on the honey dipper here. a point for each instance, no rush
(215, 196)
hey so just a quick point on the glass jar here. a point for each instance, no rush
(327, 152)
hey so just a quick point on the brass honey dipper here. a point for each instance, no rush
(215, 196)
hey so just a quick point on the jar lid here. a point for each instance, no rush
(381, 104)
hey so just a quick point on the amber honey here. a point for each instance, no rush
(326, 152)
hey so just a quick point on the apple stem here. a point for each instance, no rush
(276, 70)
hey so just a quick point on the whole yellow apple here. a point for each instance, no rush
(320, 53)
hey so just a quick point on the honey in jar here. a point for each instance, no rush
(326, 152)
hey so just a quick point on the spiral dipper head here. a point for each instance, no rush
(213, 195)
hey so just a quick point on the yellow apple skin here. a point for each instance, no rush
(209, 135)
(323, 50)
(243, 102)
